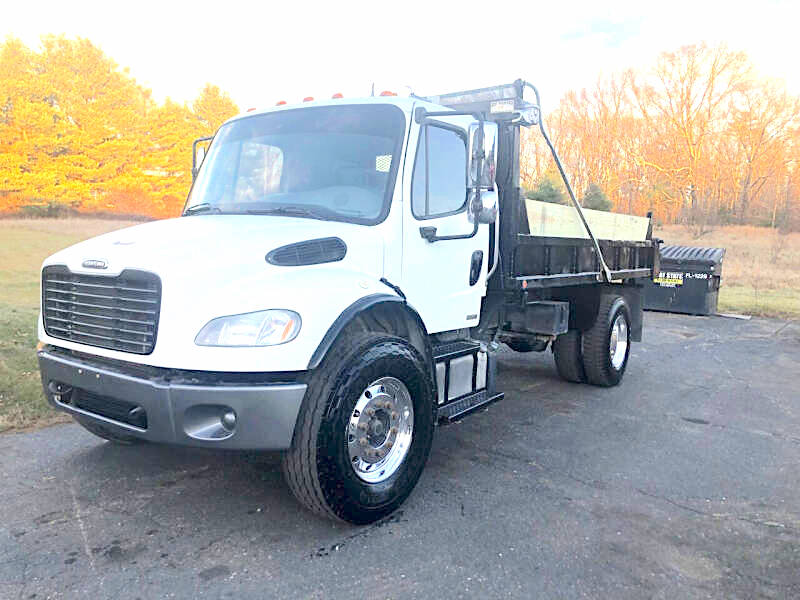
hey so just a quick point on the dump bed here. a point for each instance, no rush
(541, 262)
(558, 251)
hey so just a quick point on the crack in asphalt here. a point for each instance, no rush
(81, 526)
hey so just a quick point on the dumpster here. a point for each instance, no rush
(688, 281)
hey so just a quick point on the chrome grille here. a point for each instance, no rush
(119, 312)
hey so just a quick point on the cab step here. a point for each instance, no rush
(454, 349)
(458, 409)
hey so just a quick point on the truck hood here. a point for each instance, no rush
(229, 246)
(214, 265)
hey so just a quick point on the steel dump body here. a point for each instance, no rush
(543, 262)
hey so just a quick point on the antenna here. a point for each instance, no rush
(372, 93)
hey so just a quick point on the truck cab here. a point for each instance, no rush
(338, 284)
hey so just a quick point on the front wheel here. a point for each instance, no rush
(607, 345)
(364, 431)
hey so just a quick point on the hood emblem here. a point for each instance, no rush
(95, 263)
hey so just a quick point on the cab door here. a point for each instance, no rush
(445, 280)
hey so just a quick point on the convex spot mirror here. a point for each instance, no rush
(482, 154)
(484, 207)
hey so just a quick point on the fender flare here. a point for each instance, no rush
(358, 307)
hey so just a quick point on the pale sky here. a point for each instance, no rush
(262, 52)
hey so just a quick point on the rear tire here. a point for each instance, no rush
(569, 356)
(106, 433)
(607, 345)
(321, 468)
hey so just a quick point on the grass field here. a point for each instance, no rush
(761, 275)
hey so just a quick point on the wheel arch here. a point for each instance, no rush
(385, 313)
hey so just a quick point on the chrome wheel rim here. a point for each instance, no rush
(380, 430)
(618, 344)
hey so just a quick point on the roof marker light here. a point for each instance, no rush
(280, 103)
(308, 99)
(251, 109)
(337, 95)
(387, 93)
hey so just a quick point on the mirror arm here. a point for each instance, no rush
(429, 233)
(194, 153)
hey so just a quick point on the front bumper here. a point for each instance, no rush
(174, 412)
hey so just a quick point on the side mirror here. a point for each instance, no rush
(484, 207)
(483, 149)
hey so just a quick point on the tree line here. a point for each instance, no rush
(78, 133)
(697, 136)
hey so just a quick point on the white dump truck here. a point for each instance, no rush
(338, 284)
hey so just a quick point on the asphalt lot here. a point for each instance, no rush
(681, 483)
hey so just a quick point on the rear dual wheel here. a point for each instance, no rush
(600, 354)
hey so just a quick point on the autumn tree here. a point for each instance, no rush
(696, 136)
(212, 108)
(761, 127)
(76, 130)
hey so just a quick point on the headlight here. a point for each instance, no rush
(262, 328)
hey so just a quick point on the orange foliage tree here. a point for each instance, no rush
(698, 136)
(77, 131)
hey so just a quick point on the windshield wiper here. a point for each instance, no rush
(289, 211)
(201, 208)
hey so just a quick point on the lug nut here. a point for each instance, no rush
(389, 444)
(371, 412)
(362, 441)
(394, 415)
(393, 431)
(362, 426)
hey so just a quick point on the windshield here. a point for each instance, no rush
(333, 163)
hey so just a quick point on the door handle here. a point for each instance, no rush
(475, 267)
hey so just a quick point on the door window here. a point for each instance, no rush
(439, 181)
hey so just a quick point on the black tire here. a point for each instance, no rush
(568, 355)
(317, 467)
(596, 356)
(520, 345)
(106, 433)
(525, 345)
